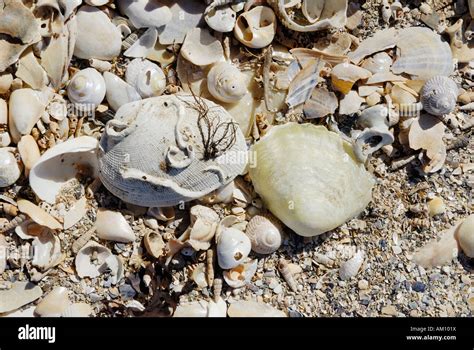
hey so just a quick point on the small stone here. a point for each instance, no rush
(446, 269)
(396, 249)
(389, 310)
(363, 284)
(436, 206)
(466, 279)
(415, 313)
(278, 289)
(419, 287)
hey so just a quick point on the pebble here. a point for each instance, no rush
(418, 287)
(465, 279)
(436, 206)
(390, 310)
(396, 249)
(363, 284)
(127, 291)
(278, 289)
(94, 297)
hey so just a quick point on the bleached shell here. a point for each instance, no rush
(318, 15)
(96, 2)
(9, 53)
(112, 226)
(5, 138)
(381, 40)
(93, 259)
(143, 45)
(344, 76)
(6, 80)
(465, 236)
(29, 152)
(309, 178)
(226, 83)
(202, 308)
(97, 36)
(86, 89)
(146, 77)
(256, 28)
(21, 293)
(30, 71)
(154, 244)
(201, 48)
(162, 213)
(350, 104)
(118, 92)
(169, 172)
(378, 63)
(439, 95)
(3, 256)
(69, 6)
(17, 21)
(422, 53)
(47, 250)
(54, 304)
(265, 233)
(60, 164)
(253, 309)
(145, 13)
(221, 19)
(351, 267)
(38, 215)
(78, 310)
(223, 194)
(9, 168)
(233, 247)
(75, 213)
(241, 275)
(321, 103)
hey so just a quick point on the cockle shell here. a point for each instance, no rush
(180, 166)
(317, 14)
(53, 304)
(9, 168)
(94, 259)
(145, 13)
(226, 83)
(233, 247)
(253, 309)
(221, 19)
(345, 75)
(20, 294)
(465, 236)
(86, 89)
(439, 95)
(146, 77)
(256, 28)
(351, 267)
(309, 178)
(265, 233)
(112, 226)
(60, 164)
(118, 92)
(201, 48)
(241, 275)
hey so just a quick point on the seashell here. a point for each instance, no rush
(302, 85)
(97, 36)
(422, 54)
(373, 99)
(204, 222)
(145, 14)
(386, 11)
(309, 205)
(226, 83)
(162, 214)
(198, 275)
(30, 71)
(256, 28)
(118, 92)
(60, 164)
(143, 45)
(186, 169)
(38, 215)
(82, 240)
(350, 103)
(100, 65)
(6, 80)
(146, 77)
(217, 289)
(9, 168)
(86, 90)
(249, 308)
(465, 236)
(265, 233)
(20, 294)
(112, 226)
(202, 308)
(78, 310)
(223, 194)
(54, 304)
(159, 53)
(351, 267)
(241, 275)
(439, 95)
(378, 63)
(321, 103)
(47, 250)
(317, 15)
(17, 21)
(380, 41)
(3, 254)
(201, 48)
(221, 19)
(345, 75)
(233, 247)
(75, 213)
(154, 244)
(96, 2)
(93, 260)
(383, 77)
(29, 152)
(29, 230)
(287, 274)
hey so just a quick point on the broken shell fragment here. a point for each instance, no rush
(307, 204)
(202, 308)
(54, 304)
(350, 103)
(233, 247)
(86, 89)
(78, 310)
(47, 250)
(265, 233)
(144, 13)
(143, 45)
(465, 236)
(241, 275)
(345, 75)
(221, 19)
(351, 267)
(204, 222)
(256, 28)
(94, 260)
(154, 244)
(118, 92)
(20, 294)
(226, 83)
(38, 215)
(9, 167)
(439, 95)
(321, 103)
(253, 309)
(29, 152)
(378, 63)
(112, 226)
(201, 48)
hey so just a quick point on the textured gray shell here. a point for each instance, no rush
(153, 153)
(439, 95)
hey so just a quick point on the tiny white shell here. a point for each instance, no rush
(221, 19)
(54, 304)
(351, 267)
(256, 28)
(232, 248)
(146, 77)
(439, 95)
(86, 89)
(112, 226)
(226, 83)
(9, 168)
(465, 236)
(265, 234)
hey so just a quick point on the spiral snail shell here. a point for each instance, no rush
(439, 95)
(86, 89)
(265, 234)
(146, 77)
(226, 83)
(233, 247)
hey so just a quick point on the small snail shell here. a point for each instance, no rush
(146, 77)
(256, 28)
(265, 234)
(9, 168)
(465, 236)
(439, 95)
(86, 89)
(226, 83)
(232, 248)
(221, 19)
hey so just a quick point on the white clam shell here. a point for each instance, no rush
(146, 77)
(439, 95)
(201, 48)
(118, 92)
(143, 45)
(253, 309)
(47, 250)
(256, 28)
(221, 19)
(60, 164)
(226, 83)
(86, 89)
(145, 13)
(54, 304)
(20, 294)
(351, 267)
(9, 168)
(112, 226)
(309, 178)
(233, 247)
(465, 236)
(97, 36)
(94, 259)
(152, 153)
(241, 275)
(265, 234)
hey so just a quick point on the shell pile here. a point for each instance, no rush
(149, 148)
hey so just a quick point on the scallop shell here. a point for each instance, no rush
(351, 267)
(256, 28)
(86, 89)
(439, 95)
(112, 226)
(146, 77)
(93, 260)
(54, 304)
(226, 83)
(20, 294)
(221, 19)
(253, 309)
(309, 178)
(145, 13)
(233, 247)
(265, 233)
(178, 166)
(9, 168)
(241, 275)
(465, 236)
(321, 103)
(201, 48)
